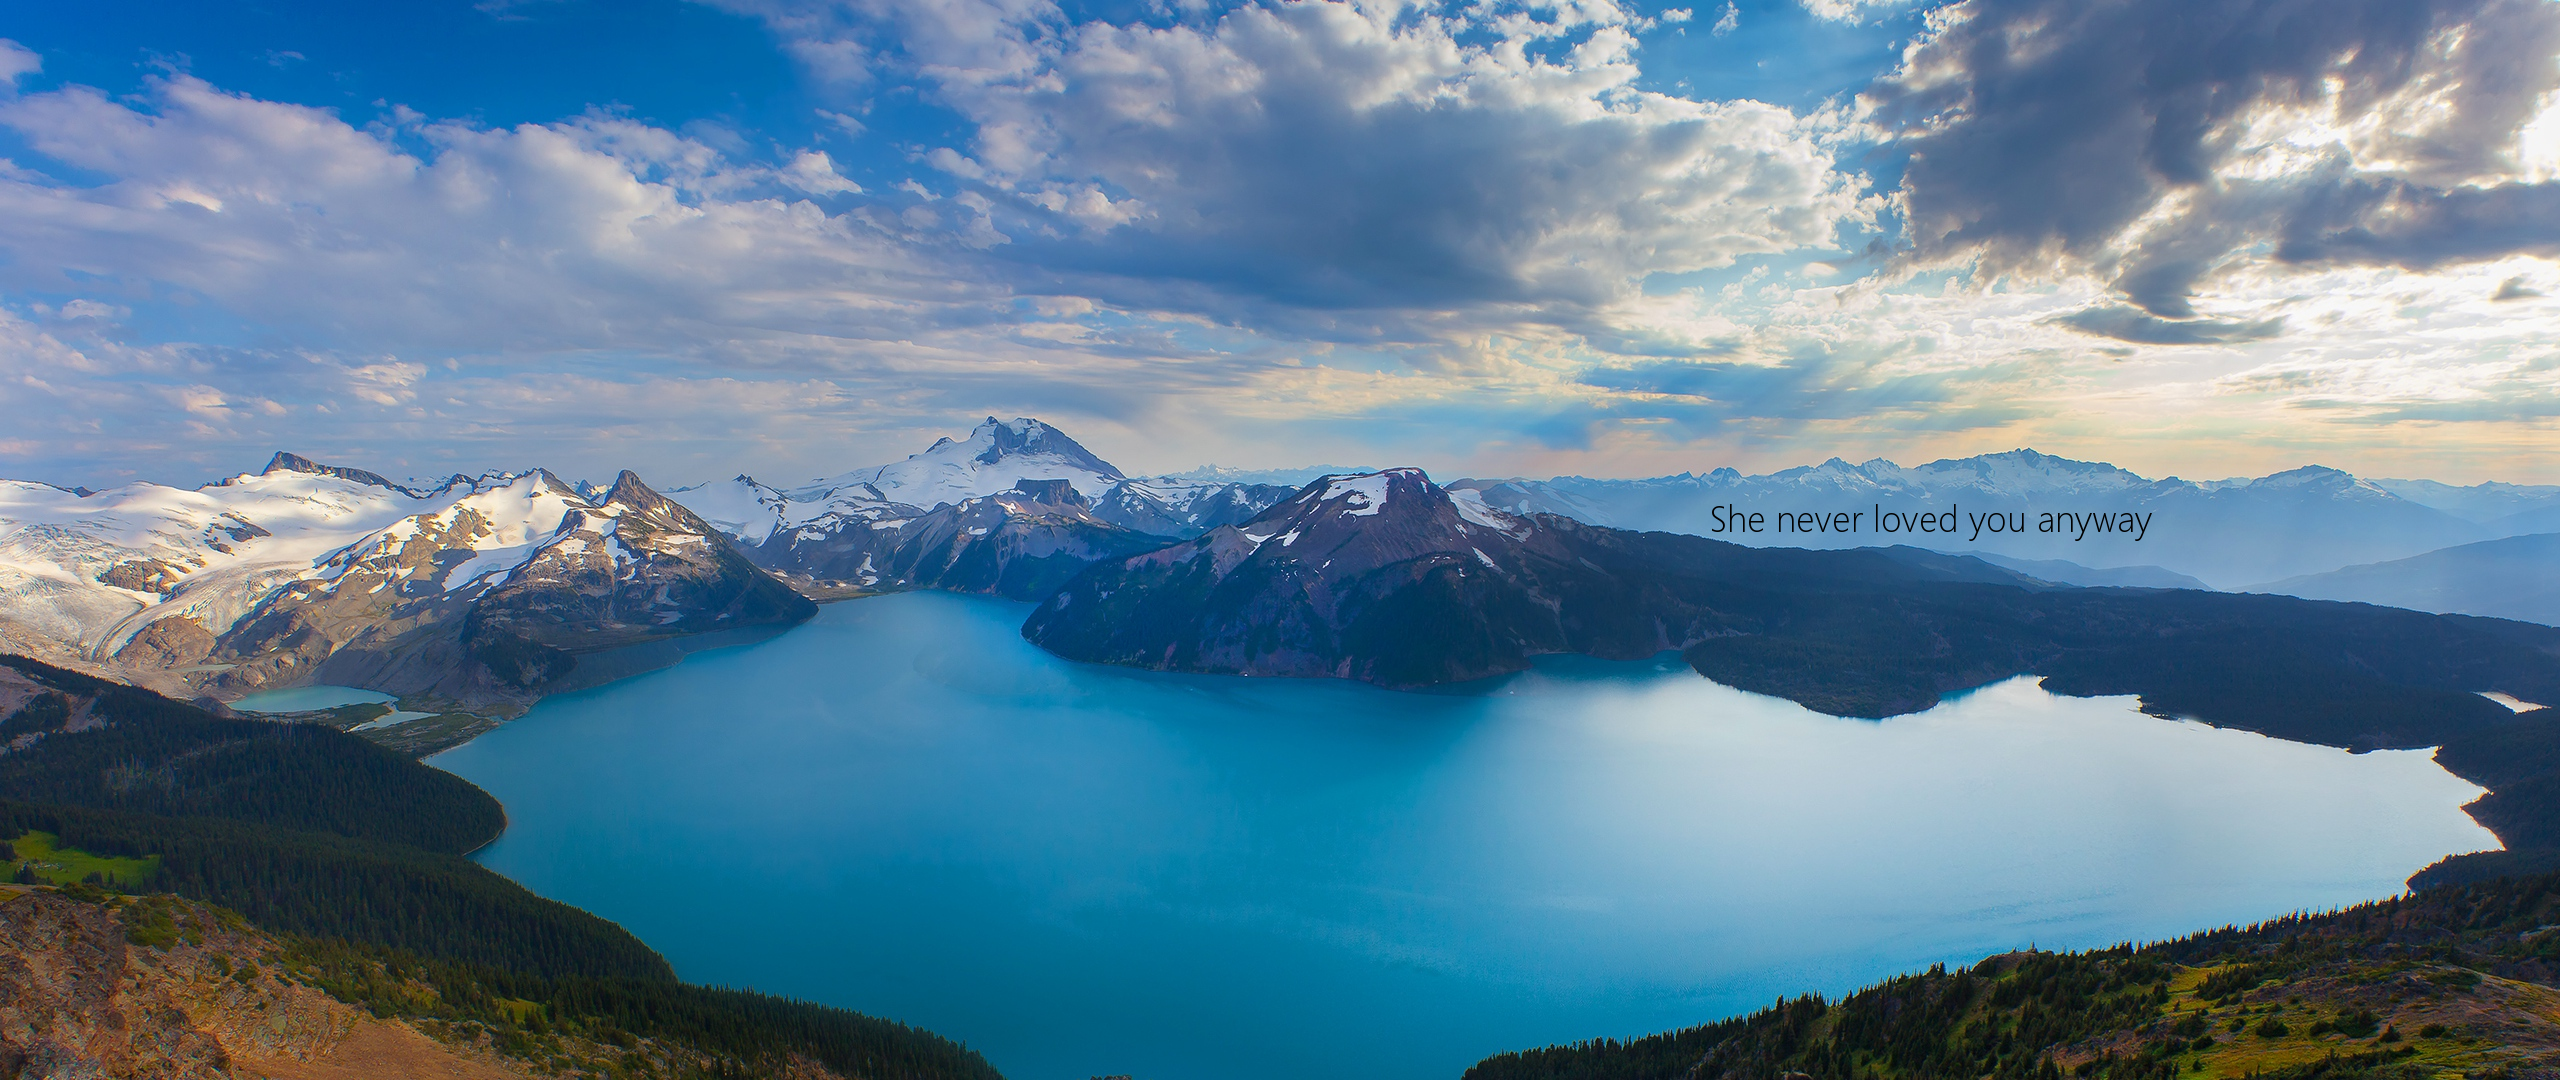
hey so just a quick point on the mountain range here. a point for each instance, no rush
(2226, 533)
(2514, 577)
(483, 593)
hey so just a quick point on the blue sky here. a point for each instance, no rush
(788, 237)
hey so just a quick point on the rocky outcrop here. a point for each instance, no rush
(159, 988)
(492, 601)
(1021, 544)
(167, 989)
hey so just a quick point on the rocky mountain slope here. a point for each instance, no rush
(482, 593)
(177, 990)
(2228, 533)
(1013, 510)
(2516, 577)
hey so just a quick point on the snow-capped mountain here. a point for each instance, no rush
(958, 515)
(307, 573)
(2225, 532)
(1388, 578)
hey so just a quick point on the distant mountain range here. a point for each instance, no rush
(482, 593)
(2515, 577)
(1392, 579)
(1015, 510)
(2226, 533)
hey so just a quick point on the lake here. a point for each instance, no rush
(904, 809)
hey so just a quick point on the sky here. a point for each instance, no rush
(787, 238)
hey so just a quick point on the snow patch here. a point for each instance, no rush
(1367, 493)
(1472, 507)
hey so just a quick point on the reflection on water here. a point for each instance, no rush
(309, 698)
(904, 809)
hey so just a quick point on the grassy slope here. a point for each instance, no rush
(39, 855)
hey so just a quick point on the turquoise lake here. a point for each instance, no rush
(904, 809)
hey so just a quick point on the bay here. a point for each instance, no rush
(902, 808)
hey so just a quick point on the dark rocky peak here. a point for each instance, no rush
(638, 502)
(628, 490)
(291, 462)
(1053, 493)
(1023, 435)
(1354, 523)
(1360, 495)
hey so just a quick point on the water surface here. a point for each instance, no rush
(310, 698)
(904, 809)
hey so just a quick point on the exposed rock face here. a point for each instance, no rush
(637, 567)
(1022, 544)
(78, 998)
(173, 642)
(491, 599)
(157, 988)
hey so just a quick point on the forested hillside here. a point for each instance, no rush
(354, 856)
(2456, 980)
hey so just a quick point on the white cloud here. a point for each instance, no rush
(1850, 11)
(1323, 154)
(1422, 230)
(583, 234)
(17, 62)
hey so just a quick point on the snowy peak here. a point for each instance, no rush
(1025, 437)
(1399, 495)
(1356, 523)
(997, 455)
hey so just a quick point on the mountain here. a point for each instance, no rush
(2061, 572)
(2517, 577)
(2226, 533)
(481, 594)
(1019, 543)
(1388, 578)
(2484, 503)
(1013, 510)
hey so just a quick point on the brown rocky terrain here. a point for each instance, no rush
(156, 987)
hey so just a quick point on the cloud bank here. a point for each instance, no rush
(1472, 235)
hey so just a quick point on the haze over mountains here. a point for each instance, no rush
(485, 592)
(2228, 533)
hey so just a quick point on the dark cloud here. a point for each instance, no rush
(2420, 227)
(2514, 288)
(2144, 328)
(2042, 129)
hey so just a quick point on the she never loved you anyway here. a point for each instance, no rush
(1951, 521)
